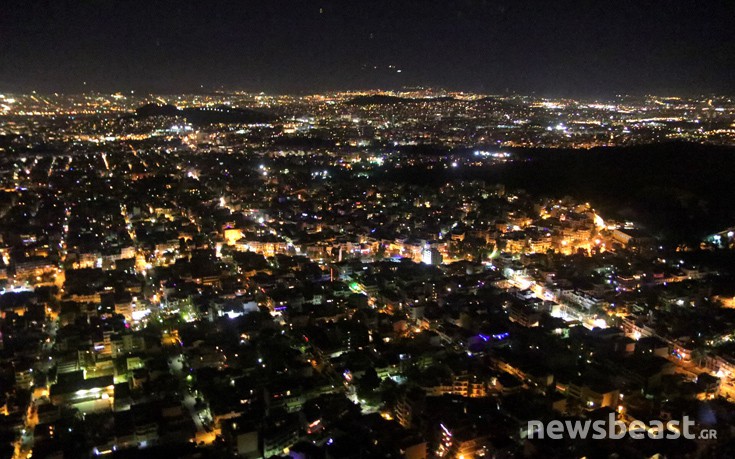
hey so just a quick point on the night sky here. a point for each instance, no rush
(550, 47)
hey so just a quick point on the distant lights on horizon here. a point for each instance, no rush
(492, 154)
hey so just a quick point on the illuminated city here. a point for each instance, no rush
(251, 285)
(408, 272)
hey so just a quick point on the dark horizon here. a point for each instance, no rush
(565, 48)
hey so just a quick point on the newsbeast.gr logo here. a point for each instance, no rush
(612, 429)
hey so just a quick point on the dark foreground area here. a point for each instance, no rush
(679, 191)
